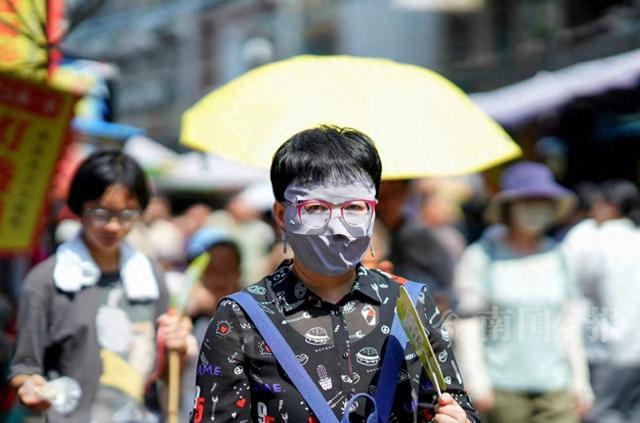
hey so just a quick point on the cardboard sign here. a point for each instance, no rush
(34, 125)
(417, 335)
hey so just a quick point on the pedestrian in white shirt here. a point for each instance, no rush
(604, 253)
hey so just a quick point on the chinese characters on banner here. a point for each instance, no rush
(34, 124)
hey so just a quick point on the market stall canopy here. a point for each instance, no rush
(192, 171)
(155, 158)
(548, 91)
(422, 124)
(197, 171)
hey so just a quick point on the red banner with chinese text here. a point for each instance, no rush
(34, 127)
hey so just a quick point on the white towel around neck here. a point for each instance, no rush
(76, 269)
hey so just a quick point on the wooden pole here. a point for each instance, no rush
(174, 386)
(178, 304)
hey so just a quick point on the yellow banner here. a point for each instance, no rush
(34, 125)
(22, 36)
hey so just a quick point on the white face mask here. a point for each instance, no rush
(532, 217)
(337, 246)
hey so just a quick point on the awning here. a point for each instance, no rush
(195, 171)
(548, 91)
(192, 171)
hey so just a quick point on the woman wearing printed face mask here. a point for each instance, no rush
(334, 314)
(520, 346)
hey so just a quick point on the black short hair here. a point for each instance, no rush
(101, 170)
(621, 194)
(324, 154)
(587, 193)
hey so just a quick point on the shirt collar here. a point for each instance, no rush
(620, 223)
(367, 284)
(291, 293)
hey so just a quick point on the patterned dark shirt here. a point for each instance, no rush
(340, 346)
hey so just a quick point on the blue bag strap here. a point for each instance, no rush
(371, 418)
(286, 358)
(393, 359)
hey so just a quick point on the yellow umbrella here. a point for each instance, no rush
(422, 124)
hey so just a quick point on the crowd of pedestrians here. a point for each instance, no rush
(540, 306)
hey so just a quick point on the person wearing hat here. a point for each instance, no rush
(221, 277)
(519, 343)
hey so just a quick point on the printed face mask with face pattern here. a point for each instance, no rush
(335, 247)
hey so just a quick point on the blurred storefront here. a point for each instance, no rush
(170, 53)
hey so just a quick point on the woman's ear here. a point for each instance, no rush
(278, 214)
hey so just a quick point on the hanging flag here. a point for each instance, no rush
(34, 128)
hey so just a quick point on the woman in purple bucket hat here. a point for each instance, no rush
(519, 342)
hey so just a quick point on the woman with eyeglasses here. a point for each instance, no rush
(91, 313)
(316, 340)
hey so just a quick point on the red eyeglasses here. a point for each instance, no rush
(317, 213)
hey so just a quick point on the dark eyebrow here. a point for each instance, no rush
(97, 206)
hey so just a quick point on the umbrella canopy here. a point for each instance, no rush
(422, 124)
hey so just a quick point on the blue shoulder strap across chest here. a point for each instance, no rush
(385, 391)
